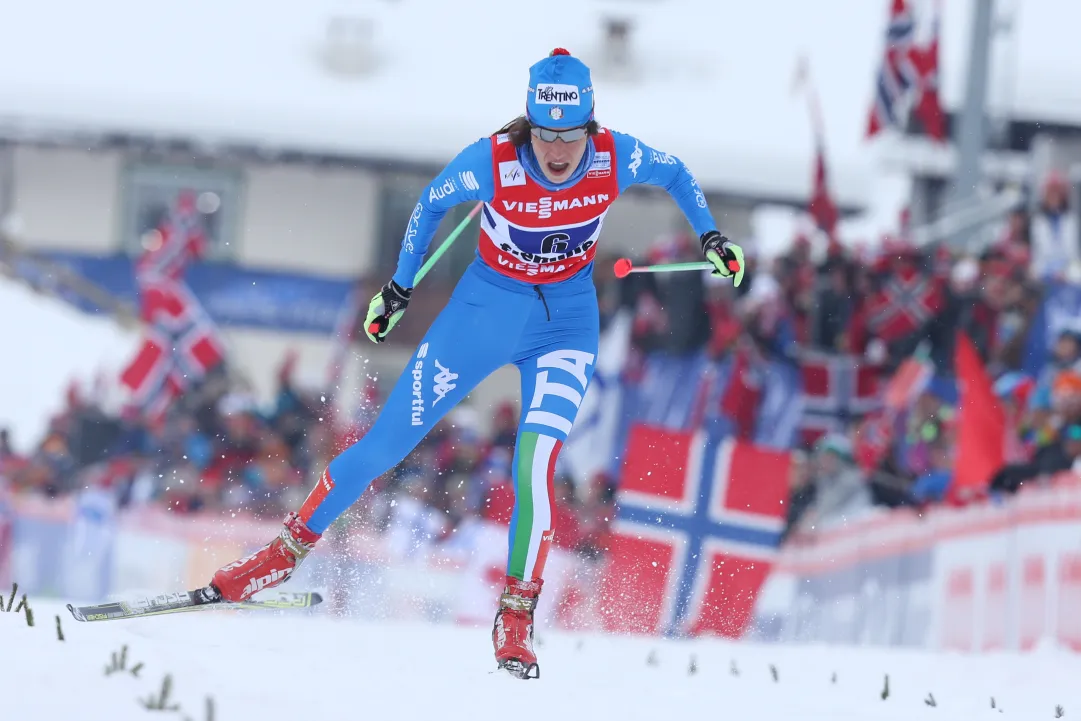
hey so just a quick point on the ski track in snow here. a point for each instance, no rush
(287, 665)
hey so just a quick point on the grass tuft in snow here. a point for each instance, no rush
(120, 663)
(23, 606)
(161, 701)
(209, 710)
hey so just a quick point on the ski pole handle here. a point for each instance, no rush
(625, 267)
(377, 326)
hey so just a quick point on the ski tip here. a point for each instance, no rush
(317, 598)
(75, 613)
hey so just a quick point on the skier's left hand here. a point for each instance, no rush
(725, 255)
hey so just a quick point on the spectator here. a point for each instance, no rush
(836, 306)
(1061, 454)
(1056, 245)
(1017, 232)
(839, 487)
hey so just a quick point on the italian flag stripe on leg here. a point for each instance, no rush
(533, 490)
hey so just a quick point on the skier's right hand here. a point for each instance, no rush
(386, 310)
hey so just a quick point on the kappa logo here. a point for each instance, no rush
(556, 94)
(511, 173)
(636, 159)
(601, 166)
(417, 417)
(469, 180)
(443, 384)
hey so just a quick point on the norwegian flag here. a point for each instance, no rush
(837, 391)
(181, 343)
(908, 78)
(180, 239)
(907, 301)
(909, 381)
(180, 346)
(924, 61)
(895, 76)
(822, 208)
(698, 522)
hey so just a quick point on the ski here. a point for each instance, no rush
(201, 599)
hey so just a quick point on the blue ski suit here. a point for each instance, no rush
(527, 299)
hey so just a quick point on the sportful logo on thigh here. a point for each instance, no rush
(574, 362)
(418, 386)
(443, 384)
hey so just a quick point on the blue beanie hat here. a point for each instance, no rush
(560, 92)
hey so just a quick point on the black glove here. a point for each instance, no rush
(385, 310)
(726, 256)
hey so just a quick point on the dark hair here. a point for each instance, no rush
(517, 130)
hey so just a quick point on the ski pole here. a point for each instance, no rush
(445, 245)
(625, 267)
(439, 252)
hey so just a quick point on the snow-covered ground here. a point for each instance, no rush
(51, 344)
(273, 665)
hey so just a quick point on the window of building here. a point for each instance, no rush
(151, 192)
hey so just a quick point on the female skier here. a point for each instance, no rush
(546, 181)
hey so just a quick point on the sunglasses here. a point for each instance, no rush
(550, 136)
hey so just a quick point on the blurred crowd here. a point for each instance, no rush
(218, 451)
(887, 307)
(897, 311)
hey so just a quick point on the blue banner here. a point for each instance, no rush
(231, 294)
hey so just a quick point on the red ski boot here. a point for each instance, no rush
(269, 566)
(512, 635)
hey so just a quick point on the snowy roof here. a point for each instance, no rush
(715, 88)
